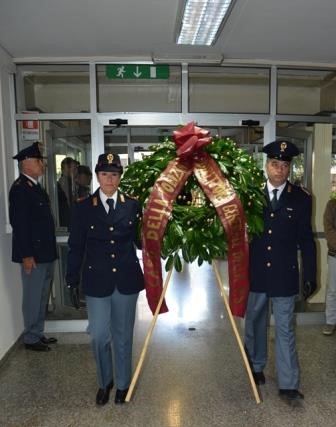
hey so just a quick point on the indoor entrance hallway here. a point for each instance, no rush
(193, 375)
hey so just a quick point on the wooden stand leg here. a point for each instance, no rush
(148, 337)
(236, 333)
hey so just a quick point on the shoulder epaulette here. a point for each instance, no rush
(80, 199)
(305, 190)
(129, 197)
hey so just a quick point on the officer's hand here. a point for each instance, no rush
(28, 264)
(308, 289)
(74, 295)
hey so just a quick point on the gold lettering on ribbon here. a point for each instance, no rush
(155, 219)
(231, 214)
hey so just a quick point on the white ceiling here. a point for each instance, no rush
(257, 30)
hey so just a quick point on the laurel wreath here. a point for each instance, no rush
(194, 231)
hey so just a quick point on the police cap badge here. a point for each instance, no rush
(109, 162)
(281, 150)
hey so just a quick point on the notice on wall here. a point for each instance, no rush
(30, 130)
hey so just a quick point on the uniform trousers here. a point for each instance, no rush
(256, 321)
(35, 294)
(111, 324)
(331, 292)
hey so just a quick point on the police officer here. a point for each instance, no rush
(274, 273)
(33, 244)
(103, 234)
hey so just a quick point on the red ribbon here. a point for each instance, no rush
(190, 139)
(192, 159)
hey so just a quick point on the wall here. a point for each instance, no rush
(11, 324)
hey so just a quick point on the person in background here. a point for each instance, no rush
(102, 255)
(329, 221)
(66, 190)
(82, 182)
(67, 178)
(33, 244)
(274, 271)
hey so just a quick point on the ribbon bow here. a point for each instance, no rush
(190, 139)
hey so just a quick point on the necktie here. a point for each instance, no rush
(110, 202)
(274, 201)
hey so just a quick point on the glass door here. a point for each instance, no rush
(131, 143)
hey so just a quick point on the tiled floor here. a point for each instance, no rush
(193, 374)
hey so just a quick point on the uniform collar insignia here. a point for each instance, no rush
(122, 198)
(289, 188)
(95, 201)
(29, 183)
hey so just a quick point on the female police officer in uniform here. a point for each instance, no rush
(274, 273)
(102, 256)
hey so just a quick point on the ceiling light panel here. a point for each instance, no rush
(202, 20)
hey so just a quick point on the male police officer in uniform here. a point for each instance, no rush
(34, 244)
(102, 254)
(274, 273)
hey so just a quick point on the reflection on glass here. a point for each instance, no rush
(138, 88)
(306, 92)
(228, 89)
(53, 88)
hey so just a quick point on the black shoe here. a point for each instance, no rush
(290, 394)
(37, 346)
(50, 340)
(259, 377)
(120, 396)
(103, 394)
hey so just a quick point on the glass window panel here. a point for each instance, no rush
(53, 88)
(228, 90)
(123, 91)
(306, 92)
(66, 144)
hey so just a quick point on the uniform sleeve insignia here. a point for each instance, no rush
(95, 201)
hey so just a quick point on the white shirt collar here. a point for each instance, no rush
(271, 187)
(103, 198)
(30, 178)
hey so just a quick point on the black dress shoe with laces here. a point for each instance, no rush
(259, 377)
(103, 394)
(37, 346)
(120, 396)
(50, 340)
(290, 394)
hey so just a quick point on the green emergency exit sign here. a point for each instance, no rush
(134, 71)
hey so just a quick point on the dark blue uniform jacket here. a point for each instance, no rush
(102, 253)
(32, 222)
(274, 254)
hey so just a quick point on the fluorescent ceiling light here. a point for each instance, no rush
(202, 21)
